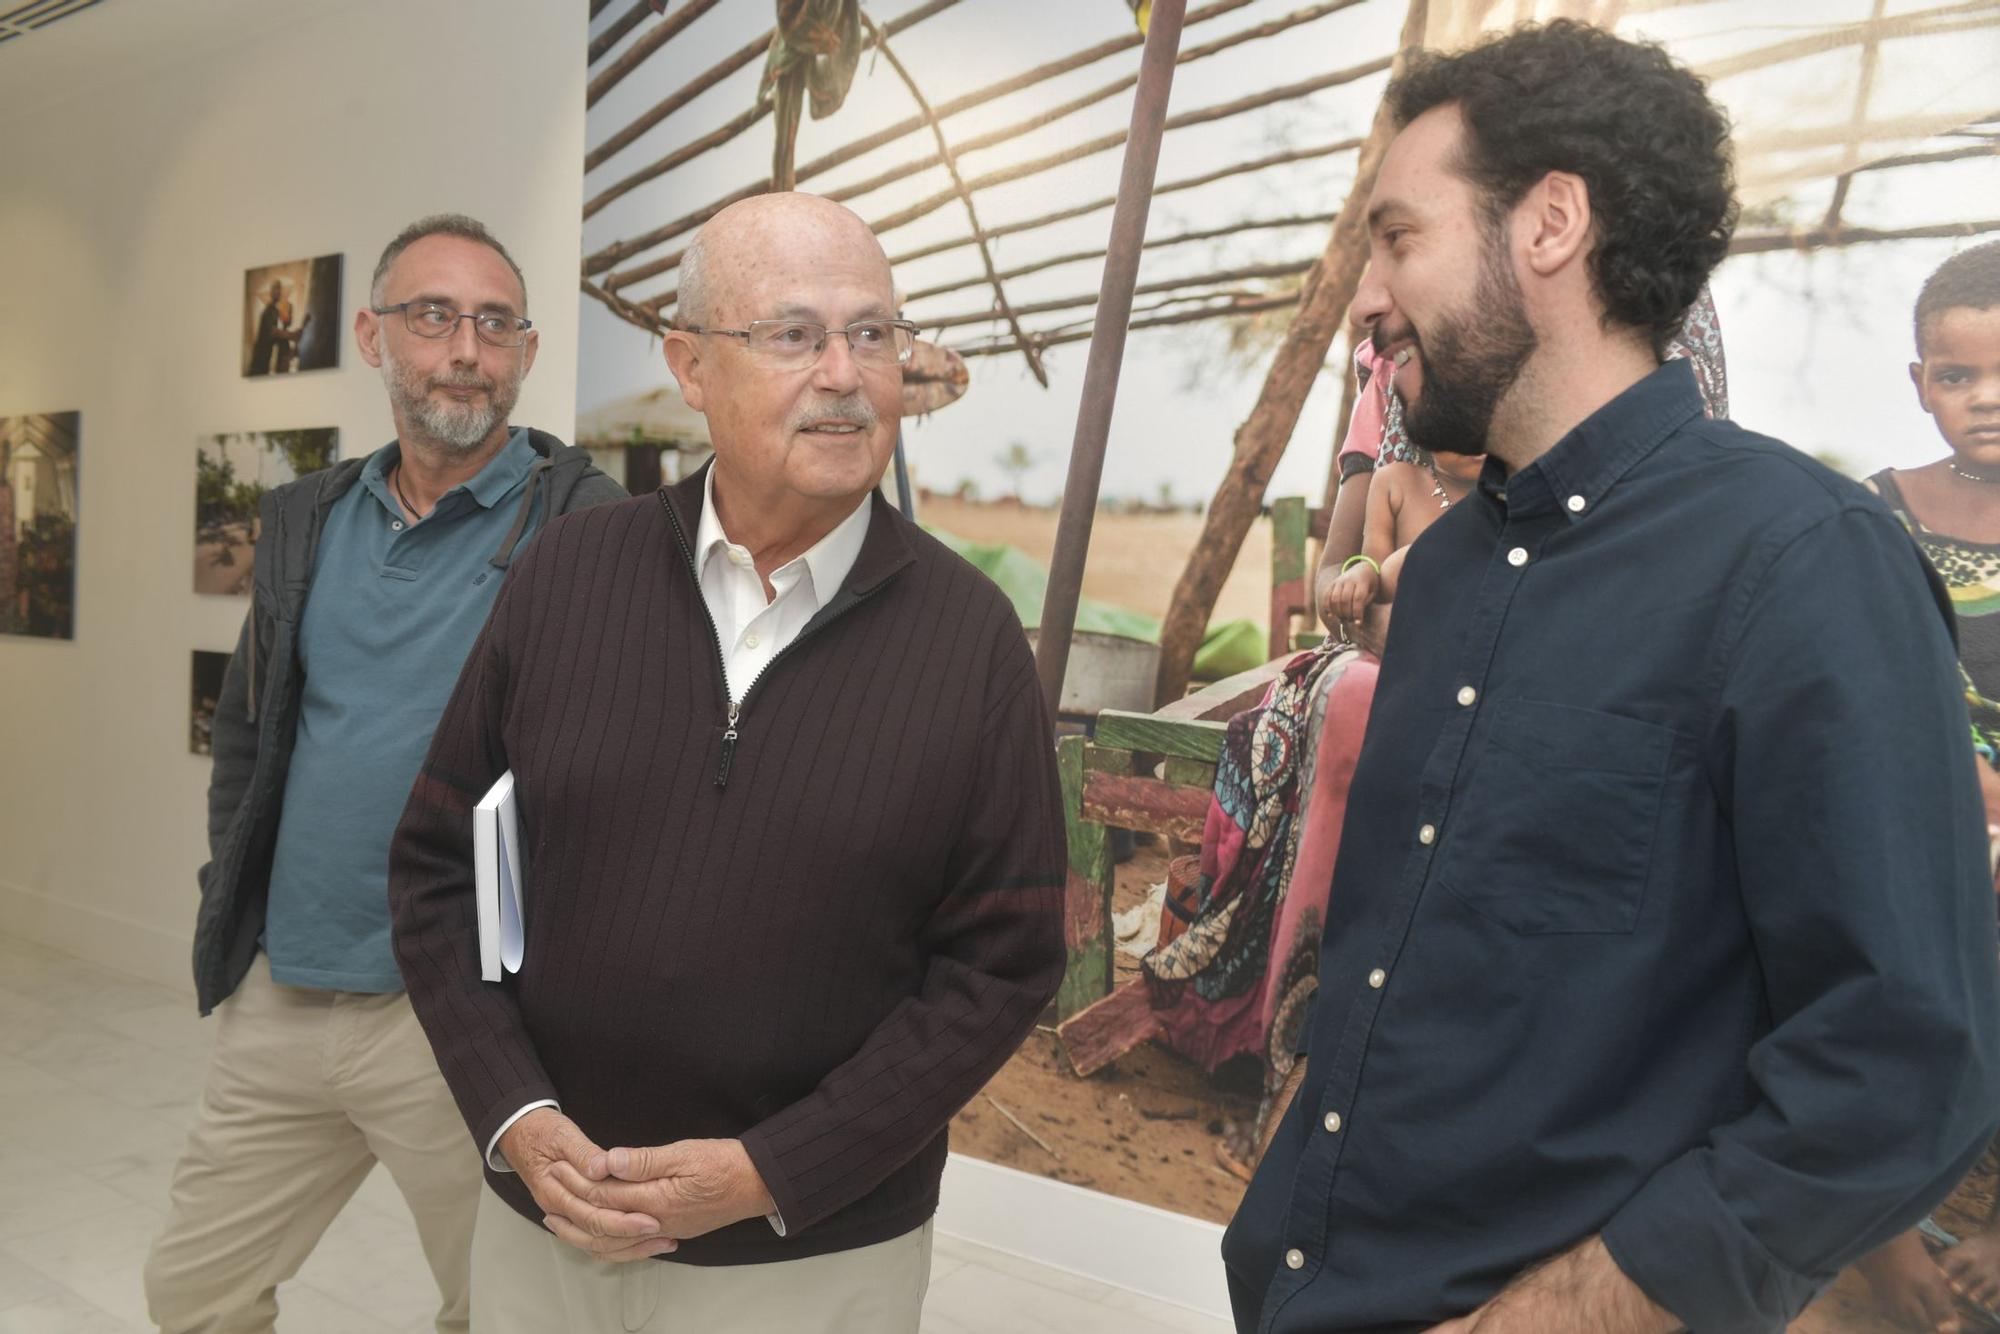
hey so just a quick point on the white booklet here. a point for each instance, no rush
(496, 871)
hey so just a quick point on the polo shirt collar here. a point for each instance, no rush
(504, 471)
(488, 487)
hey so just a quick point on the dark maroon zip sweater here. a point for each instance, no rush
(821, 937)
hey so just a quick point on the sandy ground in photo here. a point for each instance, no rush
(1134, 560)
(1145, 1128)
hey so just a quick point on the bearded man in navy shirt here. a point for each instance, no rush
(1659, 978)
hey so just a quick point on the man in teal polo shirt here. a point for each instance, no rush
(371, 581)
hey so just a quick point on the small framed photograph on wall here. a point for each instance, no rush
(231, 474)
(291, 316)
(38, 458)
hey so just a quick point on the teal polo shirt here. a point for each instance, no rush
(392, 613)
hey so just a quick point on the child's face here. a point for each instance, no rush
(1958, 381)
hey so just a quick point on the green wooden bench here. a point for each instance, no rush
(1153, 773)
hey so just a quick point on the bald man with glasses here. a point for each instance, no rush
(799, 852)
(371, 582)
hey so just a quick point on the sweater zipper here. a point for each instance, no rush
(732, 729)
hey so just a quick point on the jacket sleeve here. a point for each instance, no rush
(996, 957)
(474, 1027)
(1838, 751)
(233, 741)
(235, 733)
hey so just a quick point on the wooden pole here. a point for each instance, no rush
(1231, 310)
(888, 134)
(1075, 211)
(1350, 390)
(1152, 243)
(614, 254)
(1815, 238)
(674, 101)
(1107, 347)
(1919, 23)
(1069, 214)
(1277, 269)
(635, 55)
(1260, 441)
(1033, 358)
(621, 25)
(667, 298)
(1200, 116)
(715, 75)
(1758, 243)
(1049, 115)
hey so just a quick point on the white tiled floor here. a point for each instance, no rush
(98, 1078)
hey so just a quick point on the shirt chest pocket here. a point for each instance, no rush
(1555, 832)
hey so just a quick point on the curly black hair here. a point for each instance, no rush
(1969, 279)
(1638, 129)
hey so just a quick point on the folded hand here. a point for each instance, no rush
(692, 1186)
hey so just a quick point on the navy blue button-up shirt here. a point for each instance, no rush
(1662, 910)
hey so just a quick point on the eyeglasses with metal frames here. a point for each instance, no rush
(800, 343)
(431, 319)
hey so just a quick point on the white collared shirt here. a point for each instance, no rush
(751, 628)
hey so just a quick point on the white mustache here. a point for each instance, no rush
(855, 411)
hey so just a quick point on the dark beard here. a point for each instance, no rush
(1472, 361)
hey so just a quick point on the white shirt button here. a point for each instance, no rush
(750, 641)
(396, 525)
(1377, 978)
(740, 557)
(1333, 1122)
(1518, 557)
(1576, 504)
(1295, 1258)
(1466, 696)
(1427, 835)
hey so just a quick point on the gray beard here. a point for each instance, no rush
(456, 428)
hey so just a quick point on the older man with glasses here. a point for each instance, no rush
(798, 844)
(371, 582)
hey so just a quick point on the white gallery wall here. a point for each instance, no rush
(153, 152)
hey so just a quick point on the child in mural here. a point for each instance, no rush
(1242, 977)
(1952, 508)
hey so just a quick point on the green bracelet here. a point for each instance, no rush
(1352, 561)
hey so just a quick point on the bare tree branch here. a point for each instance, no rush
(1033, 358)
(1152, 243)
(635, 55)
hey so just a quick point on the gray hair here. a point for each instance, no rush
(691, 304)
(443, 224)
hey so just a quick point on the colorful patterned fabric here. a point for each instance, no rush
(1265, 871)
(1971, 570)
(1700, 341)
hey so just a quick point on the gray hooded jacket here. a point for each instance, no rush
(257, 717)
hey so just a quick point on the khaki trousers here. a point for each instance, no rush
(530, 1283)
(308, 1090)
